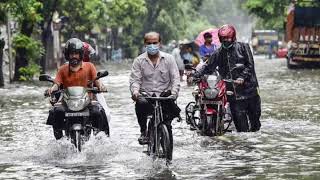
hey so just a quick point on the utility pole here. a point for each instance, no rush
(9, 48)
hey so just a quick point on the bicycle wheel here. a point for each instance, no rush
(151, 142)
(164, 149)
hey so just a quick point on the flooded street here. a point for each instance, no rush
(287, 147)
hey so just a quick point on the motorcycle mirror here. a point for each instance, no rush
(45, 77)
(102, 74)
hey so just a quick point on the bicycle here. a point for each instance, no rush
(159, 145)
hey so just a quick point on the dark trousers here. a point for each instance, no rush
(97, 117)
(145, 108)
(242, 110)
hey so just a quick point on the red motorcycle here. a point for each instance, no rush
(210, 112)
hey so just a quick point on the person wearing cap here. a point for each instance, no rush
(207, 48)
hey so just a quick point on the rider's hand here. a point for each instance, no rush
(135, 95)
(102, 87)
(47, 92)
(239, 81)
(196, 75)
(189, 73)
(173, 96)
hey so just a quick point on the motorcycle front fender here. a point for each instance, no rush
(211, 111)
(76, 127)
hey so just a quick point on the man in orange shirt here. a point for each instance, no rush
(76, 73)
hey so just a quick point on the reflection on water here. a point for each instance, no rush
(287, 147)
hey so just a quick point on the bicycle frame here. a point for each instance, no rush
(155, 122)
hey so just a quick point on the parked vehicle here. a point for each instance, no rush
(282, 53)
(264, 41)
(303, 35)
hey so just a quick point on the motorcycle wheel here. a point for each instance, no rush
(189, 112)
(76, 140)
(208, 126)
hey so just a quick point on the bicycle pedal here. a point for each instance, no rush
(161, 155)
(146, 152)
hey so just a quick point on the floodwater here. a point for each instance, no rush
(287, 147)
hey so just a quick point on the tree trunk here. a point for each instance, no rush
(114, 32)
(46, 32)
(1, 62)
(44, 37)
(21, 57)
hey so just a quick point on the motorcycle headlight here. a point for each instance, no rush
(76, 104)
(211, 93)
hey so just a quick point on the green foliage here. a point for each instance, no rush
(271, 12)
(34, 49)
(194, 21)
(27, 73)
(25, 10)
(123, 13)
(3, 13)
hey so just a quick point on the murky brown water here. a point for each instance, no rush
(287, 147)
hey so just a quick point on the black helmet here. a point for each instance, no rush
(73, 45)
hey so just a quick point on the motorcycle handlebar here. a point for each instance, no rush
(95, 90)
(46, 93)
(229, 80)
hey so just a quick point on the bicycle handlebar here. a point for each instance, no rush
(159, 98)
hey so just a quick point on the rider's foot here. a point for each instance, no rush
(143, 139)
(192, 127)
(57, 133)
(168, 162)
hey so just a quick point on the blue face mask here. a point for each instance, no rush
(152, 49)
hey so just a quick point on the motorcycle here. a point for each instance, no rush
(76, 99)
(210, 113)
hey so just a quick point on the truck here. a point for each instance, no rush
(263, 40)
(303, 35)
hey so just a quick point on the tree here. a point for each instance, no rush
(219, 12)
(2, 42)
(26, 14)
(122, 14)
(271, 13)
(46, 12)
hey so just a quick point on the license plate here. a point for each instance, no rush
(77, 114)
(210, 102)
